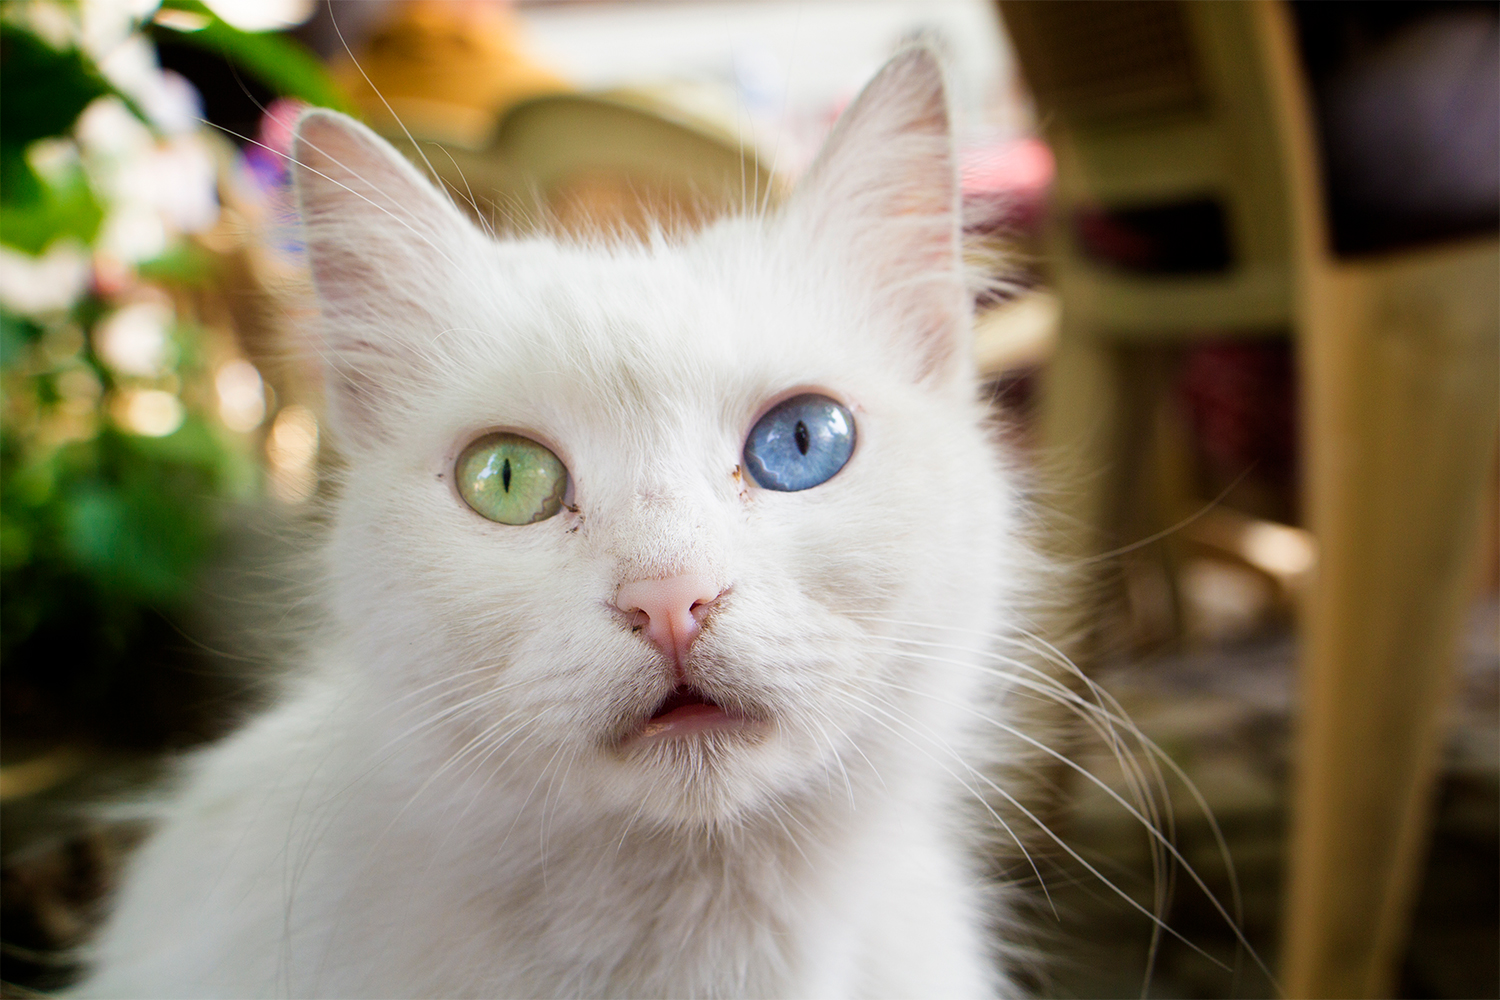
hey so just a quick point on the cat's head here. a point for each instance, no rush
(762, 519)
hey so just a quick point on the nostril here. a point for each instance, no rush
(701, 608)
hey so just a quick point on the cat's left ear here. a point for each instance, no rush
(884, 195)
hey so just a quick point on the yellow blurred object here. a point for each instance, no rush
(1017, 334)
(445, 70)
(38, 774)
(623, 162)
(522, 146)
(626, 162)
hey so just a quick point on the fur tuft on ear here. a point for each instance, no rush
(384, 247)
(883, 195)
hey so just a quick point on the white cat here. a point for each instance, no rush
(663, 580)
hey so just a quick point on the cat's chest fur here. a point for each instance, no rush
(695, 708)
(309, 890)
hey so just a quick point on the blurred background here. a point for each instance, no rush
(1242, 328)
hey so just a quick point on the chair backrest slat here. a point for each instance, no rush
(1101, 60)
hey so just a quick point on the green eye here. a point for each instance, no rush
(511, 479)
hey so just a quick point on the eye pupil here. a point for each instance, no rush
(801, 436)
(505, 476)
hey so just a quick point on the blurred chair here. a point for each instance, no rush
(619, 161)
(1188, 204)
(1017, 335)
(624, 159)
(447, 70)
(456, 87)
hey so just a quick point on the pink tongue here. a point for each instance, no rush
(683, 697)
(686, 713)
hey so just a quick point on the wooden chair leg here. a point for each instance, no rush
(1093, 418)
(1401, 368)
(1098, 401)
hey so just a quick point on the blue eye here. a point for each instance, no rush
(802, 442)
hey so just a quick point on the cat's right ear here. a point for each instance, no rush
(384, 247)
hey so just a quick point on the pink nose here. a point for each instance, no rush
(674, 609)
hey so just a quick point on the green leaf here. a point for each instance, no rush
(191, 444)
(183, 263)
(42, 89)
(42, 92)
(15, 544)
(278, 62)
(65, 207)
(15, 333)
(19, 184)
(32, 485)
(144, 536)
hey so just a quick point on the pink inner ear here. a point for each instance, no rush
(361, 201)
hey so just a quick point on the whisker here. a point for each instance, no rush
(1116, 714)
(1101, 720)
(838, 759)
(404, 130)
(1151, 827)
(848, 697)
(489, 227)
(776, 810)
(1016, 803)
(353, 173)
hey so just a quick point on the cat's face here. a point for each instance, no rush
(644, 370)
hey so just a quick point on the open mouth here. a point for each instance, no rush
(688, 710)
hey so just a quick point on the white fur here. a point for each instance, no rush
(441, 807)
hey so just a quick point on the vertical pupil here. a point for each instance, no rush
(801, 436)
(505, 475)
